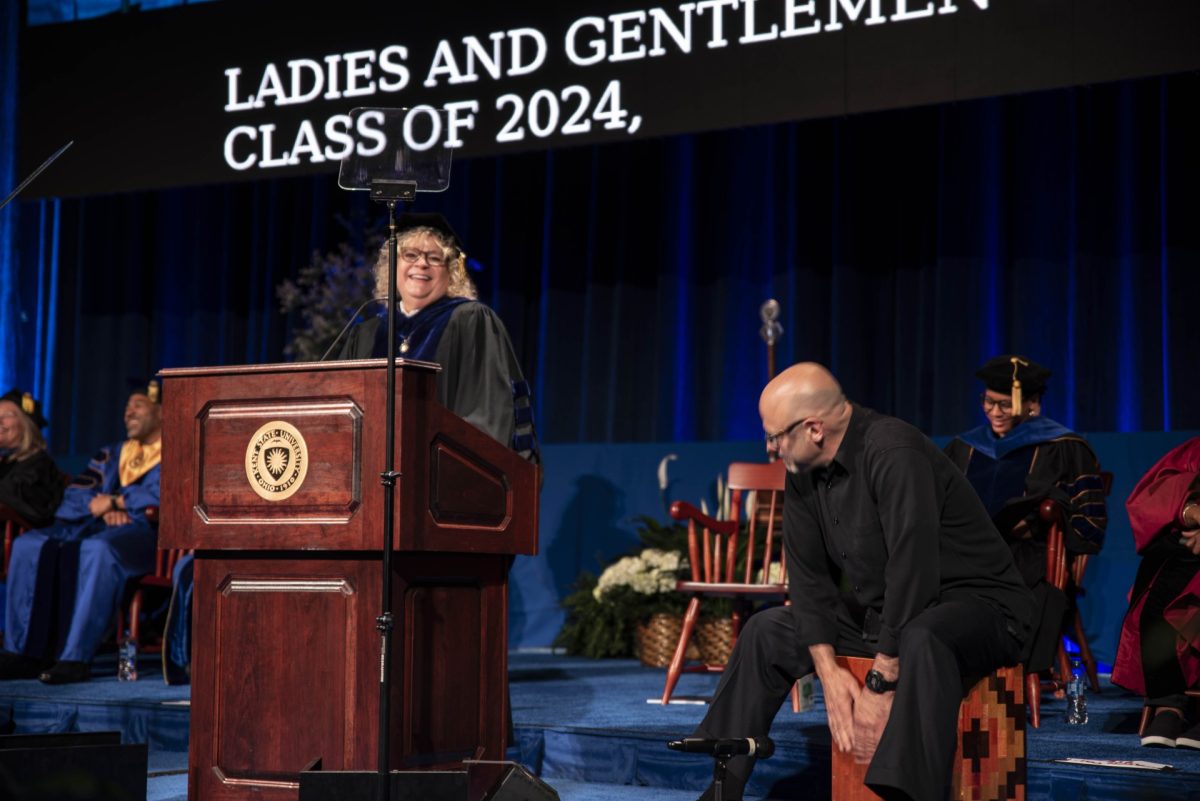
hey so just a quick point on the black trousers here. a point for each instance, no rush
(1168, 567)
(943, 652)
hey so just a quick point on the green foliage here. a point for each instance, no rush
(665, 537)
(325, 293)
(597, 629)
(602, 621)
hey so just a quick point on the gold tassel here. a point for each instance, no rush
(152, 391)
(1016, 386)
(27, 404)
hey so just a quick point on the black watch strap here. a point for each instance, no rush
(876, 683)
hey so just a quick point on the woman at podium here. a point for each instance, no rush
(441, 321)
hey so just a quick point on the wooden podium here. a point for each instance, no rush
(271, 473)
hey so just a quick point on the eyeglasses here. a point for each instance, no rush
(433, 259)
(773, 439)
(991, 403)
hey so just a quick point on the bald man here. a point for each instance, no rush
(891, 556)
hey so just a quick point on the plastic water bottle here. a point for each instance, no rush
(127, 659)
(1077, 713)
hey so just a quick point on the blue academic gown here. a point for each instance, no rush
(79, 564)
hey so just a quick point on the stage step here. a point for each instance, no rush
(585, 727)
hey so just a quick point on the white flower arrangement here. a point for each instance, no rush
(651, 572)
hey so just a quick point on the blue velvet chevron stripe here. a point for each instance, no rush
(524, 439)
(1089, 516)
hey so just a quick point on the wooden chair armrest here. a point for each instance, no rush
(9, 514)
(1054, 514)
(681, 510)
(1052, 511)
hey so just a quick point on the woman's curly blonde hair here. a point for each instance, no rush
(461, 285)
(31, 438)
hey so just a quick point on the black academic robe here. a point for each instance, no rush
(481, 380)
(1055, 464)
(31, 487)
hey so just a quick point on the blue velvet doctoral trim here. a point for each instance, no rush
(1033, 431)
(423, 331)
(997, 481)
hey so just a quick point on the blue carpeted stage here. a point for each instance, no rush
(586, 728)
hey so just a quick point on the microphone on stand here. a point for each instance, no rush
(769, 314)
(760, 747)
(349, 323)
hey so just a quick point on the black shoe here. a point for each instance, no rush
(1190, 738)
(66, 672)
(1163, 731)
(19, 666)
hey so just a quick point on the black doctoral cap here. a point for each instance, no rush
(437, 222)
(151, 388)
(26, 403)
(1014, 375)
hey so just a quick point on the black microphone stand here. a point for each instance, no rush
(36, 173)
(720, 766)
(390, 193)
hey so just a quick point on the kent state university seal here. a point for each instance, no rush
(276, 461)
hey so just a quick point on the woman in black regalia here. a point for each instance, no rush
(30, 482)
(441, 321)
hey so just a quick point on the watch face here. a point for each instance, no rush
(877, 683)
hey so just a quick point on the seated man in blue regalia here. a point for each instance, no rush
(66, 580)
(1017, 460)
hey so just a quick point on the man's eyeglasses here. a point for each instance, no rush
(773, 439)
(431, 258)
(991, 403)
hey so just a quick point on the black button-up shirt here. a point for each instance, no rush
(888, 529)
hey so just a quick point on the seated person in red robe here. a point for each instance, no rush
(1159, 652)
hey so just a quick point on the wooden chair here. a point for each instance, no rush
(713, 549)
(159, 580)
(1067, 575)
(14, 526)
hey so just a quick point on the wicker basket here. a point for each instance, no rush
(714, 639)
(656, 640)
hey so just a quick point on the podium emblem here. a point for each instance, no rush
(276, 461)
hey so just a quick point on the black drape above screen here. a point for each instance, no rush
(904, 247)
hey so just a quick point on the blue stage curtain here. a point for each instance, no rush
(905, 248)
(9, 307)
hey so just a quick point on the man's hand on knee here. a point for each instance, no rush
(870, 717)
(875, 706)
(841, 692)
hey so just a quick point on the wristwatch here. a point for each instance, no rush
(876, 683)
